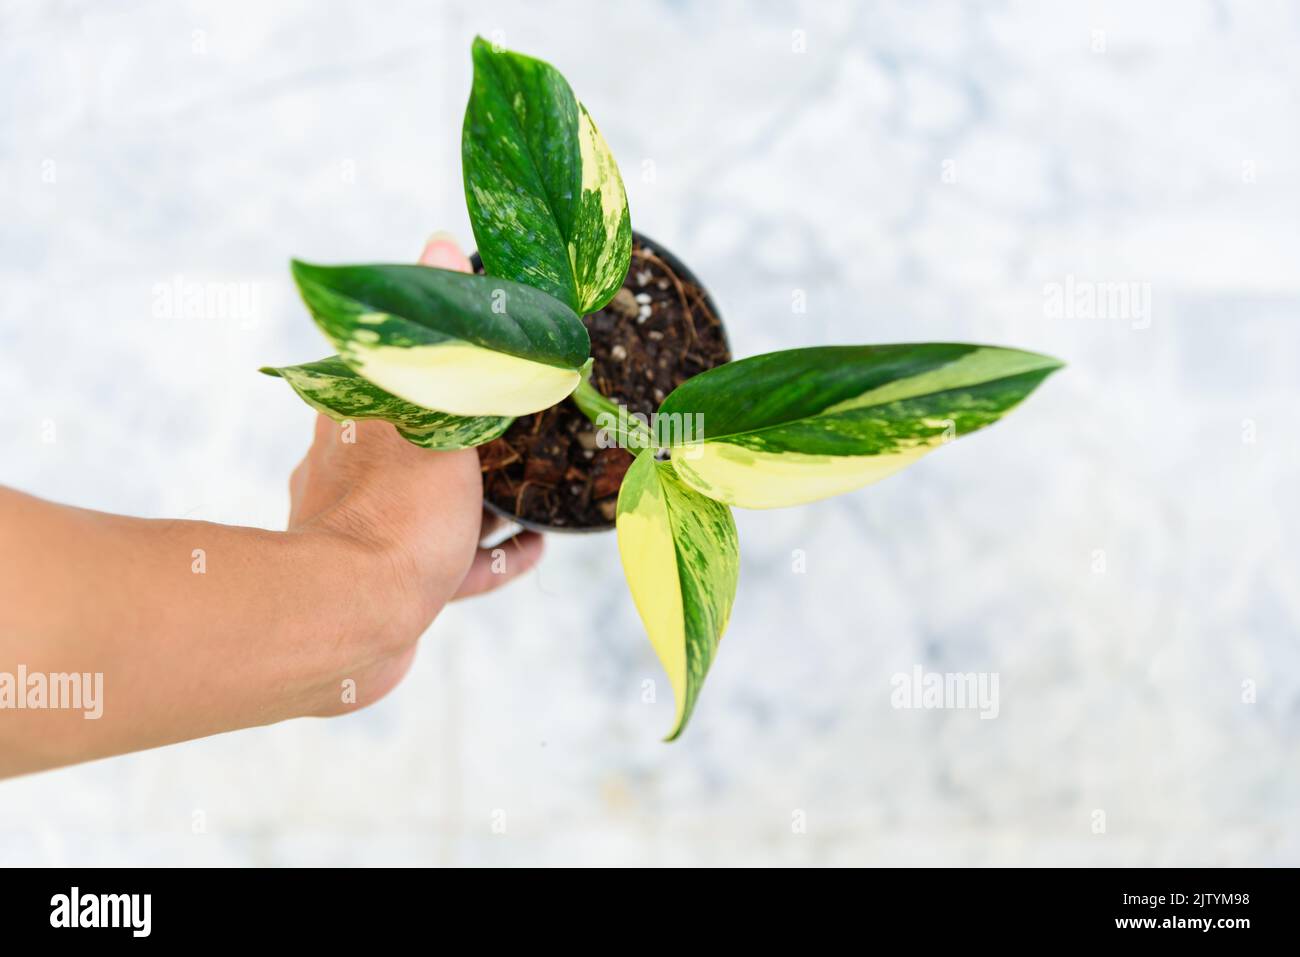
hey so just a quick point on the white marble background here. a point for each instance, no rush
(1153, 143)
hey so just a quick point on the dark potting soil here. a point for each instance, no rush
(656, 333)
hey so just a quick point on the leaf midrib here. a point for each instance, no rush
(429, 297)
(875, 405)
(534, 168)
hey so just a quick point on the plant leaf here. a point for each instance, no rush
(329, 386)
(682, 561)
(792, 427)
(458, 343)
(545, 197)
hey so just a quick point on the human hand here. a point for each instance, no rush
(192, 628)
(416, 514)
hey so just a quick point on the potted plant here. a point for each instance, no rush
(590, 368)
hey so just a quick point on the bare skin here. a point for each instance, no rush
(201, 628)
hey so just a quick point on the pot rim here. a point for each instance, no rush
(684, 272)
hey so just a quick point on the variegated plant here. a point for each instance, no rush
(450, 359)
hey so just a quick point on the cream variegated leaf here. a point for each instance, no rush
(796, 426)
(545, 196)
(331, 387)
(681, 560)
(458, 343)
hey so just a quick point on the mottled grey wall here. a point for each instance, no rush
(1121, 552)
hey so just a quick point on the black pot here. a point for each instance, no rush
(683, 272)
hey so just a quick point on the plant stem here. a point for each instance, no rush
(614, 419)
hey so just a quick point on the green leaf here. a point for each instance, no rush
(545, 197)
(329, 386)
(792, 427)
(682, 562)
(458, 343)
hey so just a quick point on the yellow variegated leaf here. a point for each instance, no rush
(751, 478)
(796, 426)
(458, 343)
(544, 194)
(462, 378)
(681, 559)
(331, 387)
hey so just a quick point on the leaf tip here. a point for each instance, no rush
(271, 371)
(482, 47)
(678, 727)
(1051, 363)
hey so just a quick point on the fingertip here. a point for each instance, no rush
(441, 251)
(503, 563)
(531, 546)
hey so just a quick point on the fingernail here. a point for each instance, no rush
(439, 249)
(442, 251)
